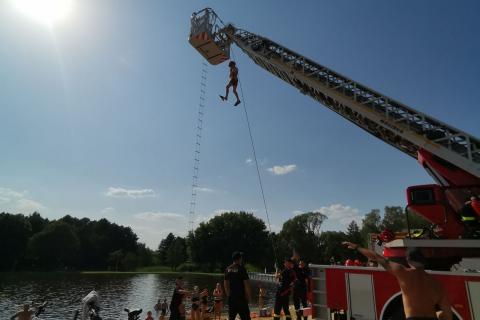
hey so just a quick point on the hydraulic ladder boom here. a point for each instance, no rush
(391, 121)
(403, 127)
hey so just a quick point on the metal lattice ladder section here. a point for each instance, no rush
(389, 120)
(198, 140)
(320, 308)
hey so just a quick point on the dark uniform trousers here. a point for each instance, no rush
(300, 297)
(281, 302)
(238, 306)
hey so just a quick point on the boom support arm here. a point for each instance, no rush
(406, 129)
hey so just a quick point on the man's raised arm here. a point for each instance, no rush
(370, 254)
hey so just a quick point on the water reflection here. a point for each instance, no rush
(117, 291)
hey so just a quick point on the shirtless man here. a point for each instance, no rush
(232, 83)
(423, 297)
(177, 307)
(27, 313)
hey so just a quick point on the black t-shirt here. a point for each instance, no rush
(287, 277)
(235, 274)
(176, 300)
(302, 275)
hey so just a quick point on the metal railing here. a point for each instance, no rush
(263, 277)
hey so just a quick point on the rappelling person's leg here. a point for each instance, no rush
(227, 89)
(236, 94)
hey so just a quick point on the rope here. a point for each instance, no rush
(256, 164)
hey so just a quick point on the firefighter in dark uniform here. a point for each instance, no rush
(285, 287)
(237, 288)
(300, 288)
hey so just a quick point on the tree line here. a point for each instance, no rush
(36, 243)
(31, 242)
(209, 246)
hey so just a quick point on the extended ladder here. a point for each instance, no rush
(198, 140)
(387, 119)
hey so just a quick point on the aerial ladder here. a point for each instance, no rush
(449, 155)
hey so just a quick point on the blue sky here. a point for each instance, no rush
(98, 111)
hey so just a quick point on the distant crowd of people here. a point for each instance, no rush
(294, 281)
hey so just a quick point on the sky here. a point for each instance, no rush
(98, 110)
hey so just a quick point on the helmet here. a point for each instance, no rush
(349, 263)
(231, 63)
(387, 235)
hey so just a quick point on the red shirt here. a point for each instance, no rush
(476, 206)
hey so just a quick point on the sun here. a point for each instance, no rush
(45, 11)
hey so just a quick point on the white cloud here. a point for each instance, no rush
(342, 214)
(281, 170)
(204, 189)
(108, 211)
(249, 161)
(159, 216)
(152, 227)
(15, 201)
(129, 193)
(28, 205)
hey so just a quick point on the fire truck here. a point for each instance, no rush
(449, 155)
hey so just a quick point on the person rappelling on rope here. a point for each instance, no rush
(232, 83)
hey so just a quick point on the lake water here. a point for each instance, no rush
(117, 291)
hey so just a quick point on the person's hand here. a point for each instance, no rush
(350, 245)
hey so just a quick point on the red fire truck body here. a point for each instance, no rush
(372, 293)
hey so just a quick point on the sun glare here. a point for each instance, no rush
(45, 11)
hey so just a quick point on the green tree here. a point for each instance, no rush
(371, 223)
(177, 253)
(37, 222)
(353, 233)
(54, 247)
(301, 233)
(331, 246)
(163, 248)
(145, 255)
(214, 241)
(129, 261)
(14, 233)
(115, 259)
(394, 219)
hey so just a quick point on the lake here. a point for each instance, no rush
(64, 291)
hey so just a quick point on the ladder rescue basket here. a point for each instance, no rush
(207, 37)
